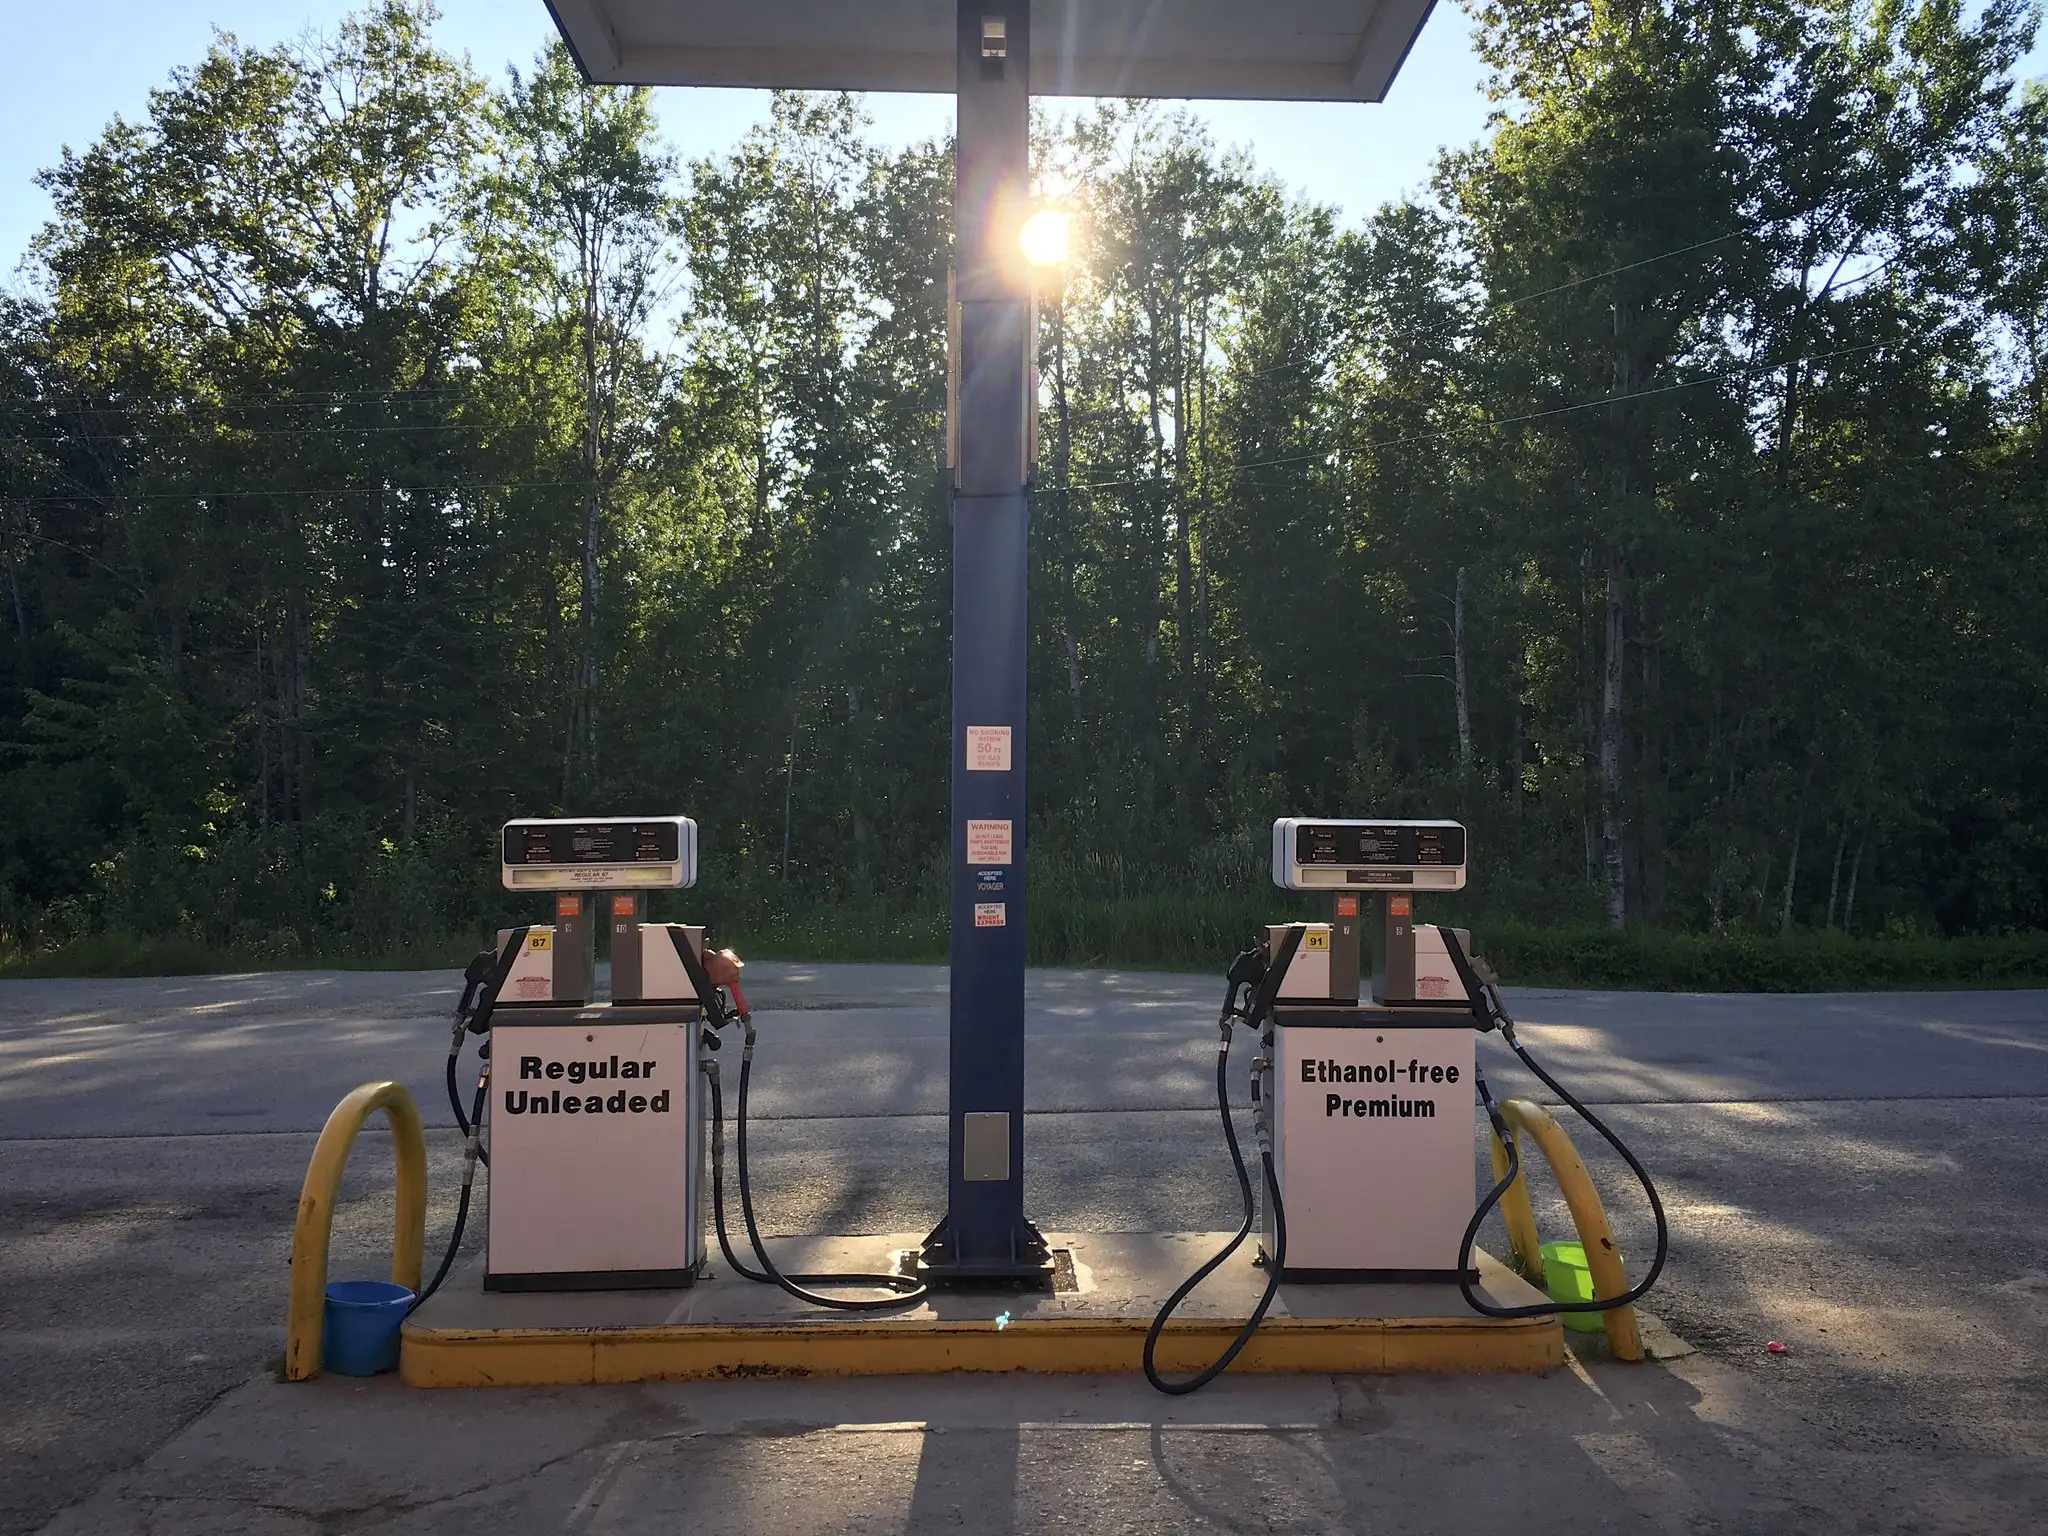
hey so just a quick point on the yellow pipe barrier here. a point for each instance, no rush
(1515, 1211)
(306, 1317)
(1603, 1258)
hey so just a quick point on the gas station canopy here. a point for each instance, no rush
(1266, 50)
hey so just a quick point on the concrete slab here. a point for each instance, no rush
(725, 1326)
(1853, 1175)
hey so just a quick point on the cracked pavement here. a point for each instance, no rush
(1855, 1175)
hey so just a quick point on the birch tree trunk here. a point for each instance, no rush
(1613, 851)
(1791, 878)
(1849, 900)
(1835, 876)
(1458, 676)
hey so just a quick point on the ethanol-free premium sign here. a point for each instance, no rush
(1374, 1145)
(1391, 1105)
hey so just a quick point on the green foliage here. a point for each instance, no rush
(385, 452)
(1651, 961)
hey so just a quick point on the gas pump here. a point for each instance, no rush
(596, 1127)
(1362, 1108)
(595, 1137)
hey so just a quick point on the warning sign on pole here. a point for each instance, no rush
(988, 842)
(988, 749)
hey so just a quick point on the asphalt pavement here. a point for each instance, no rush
(1856, 1176)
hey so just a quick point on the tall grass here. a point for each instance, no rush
(1168, 930)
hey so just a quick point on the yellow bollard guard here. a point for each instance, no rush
(306, 1317)
(1603, 1258)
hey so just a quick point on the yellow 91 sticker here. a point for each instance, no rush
(540, 941)
(1316, 939)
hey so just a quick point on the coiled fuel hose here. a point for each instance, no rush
(1256, 978)
(1492, 1014)
(906, 1290)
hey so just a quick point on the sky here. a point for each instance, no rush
(70, 68)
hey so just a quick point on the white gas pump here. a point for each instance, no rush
(596, 1138)
(596, 1109)
(1363, 1106)
(1371, 1104)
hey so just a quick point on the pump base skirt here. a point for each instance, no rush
(1293, 1276)
(595, 1280)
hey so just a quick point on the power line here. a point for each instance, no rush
(75, 404)
(221, 432)
(1305, 359)
(1647, 261)
(1499, 421)
(356, 490)
(1085, 485)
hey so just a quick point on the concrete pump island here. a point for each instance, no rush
(612, 1133)
(612, 1163)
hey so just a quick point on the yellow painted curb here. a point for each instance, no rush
(454, 1357)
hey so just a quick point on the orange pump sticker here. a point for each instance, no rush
(1347, 906)
(624, 906)
(568, 906)
(1397, 906)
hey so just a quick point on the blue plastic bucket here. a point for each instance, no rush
(361, 1330)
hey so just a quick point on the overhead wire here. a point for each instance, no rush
(226, 430)
(1647, 261)
(1301, 360)
(1282, 366)
(1349, 450)
(336, 491)
(1339, 451)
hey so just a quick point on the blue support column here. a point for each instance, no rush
(985, 1234)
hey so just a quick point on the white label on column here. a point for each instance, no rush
(990, 914)
(988, 749)
(988, 842)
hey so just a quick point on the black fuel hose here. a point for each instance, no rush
(481, 984)
(462, 1121)
(908, 1290)
(1276, 1263)
(1257, 976)
(1492, 1014)
(469, 1162)
(764, 1277)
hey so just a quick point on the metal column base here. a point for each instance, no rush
(1028, 1265)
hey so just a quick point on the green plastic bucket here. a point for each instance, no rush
(1568, 1277)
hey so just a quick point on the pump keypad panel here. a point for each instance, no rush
(578, 853)
(1313, 854)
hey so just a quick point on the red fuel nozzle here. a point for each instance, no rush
(723, 970)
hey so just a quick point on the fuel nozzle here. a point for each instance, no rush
(1482, 986)
(474, 976)
(1245, 973)
(723, 969)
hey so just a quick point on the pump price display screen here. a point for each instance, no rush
(1399, 844)
(1314, 854)
(593, 842)
(570, 854)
